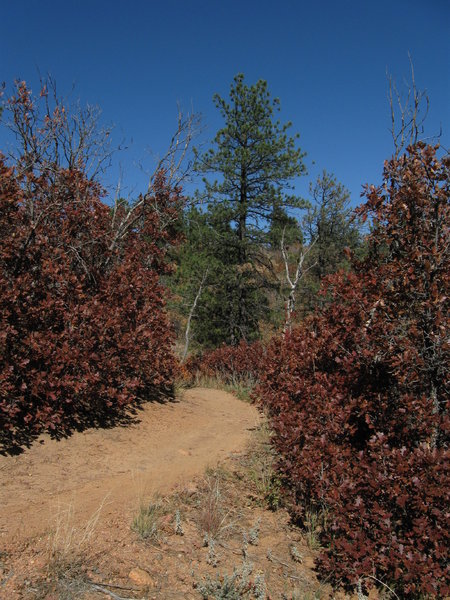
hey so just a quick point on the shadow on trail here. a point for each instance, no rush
(16, 441)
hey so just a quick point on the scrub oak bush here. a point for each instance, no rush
(230, 364)
(83, 327)
(357, 395)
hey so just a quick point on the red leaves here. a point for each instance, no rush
(357, 395)
(84, 331)
(229, 363)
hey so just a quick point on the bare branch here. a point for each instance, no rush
(174, 166)
(191, 314)
(174, 162)
(408, 116)
(52, 134)
(299, 273)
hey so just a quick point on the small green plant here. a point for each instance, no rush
(315, 522)
(260, 587)
(261, 469)
(359, 591)
(295, 554)
(253, 533)
(146, 522)
(178, 525)
(236, 586)
(212, 559)
(244, 546)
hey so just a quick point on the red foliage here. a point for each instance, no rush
(230, 364)
(358, 394)
(83, 330)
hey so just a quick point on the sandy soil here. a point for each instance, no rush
(118, 468)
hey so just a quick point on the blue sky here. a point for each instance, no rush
(325, 60)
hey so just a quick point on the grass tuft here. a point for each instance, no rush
(212, 517)
(146, 522)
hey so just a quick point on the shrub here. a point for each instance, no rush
(230, 364)
(236, 586)
(358, 394)
(83, 328)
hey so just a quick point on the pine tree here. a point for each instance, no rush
(330, 221)
(331, 226)
(257, 162)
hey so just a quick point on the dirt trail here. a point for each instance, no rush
(119, 467)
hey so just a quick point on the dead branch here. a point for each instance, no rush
(114, 586)
(174, 163)
(407, 122)
(383, 584)
(99, 588)
(191, 314)
(294, 281)
(52, 134)
(175, 168)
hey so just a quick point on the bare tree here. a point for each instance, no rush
(191, 315)
(175, 166)
(293, 280)
(408, 112)
(51, 133)
(176, 162)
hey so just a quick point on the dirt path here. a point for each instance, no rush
(117, 468)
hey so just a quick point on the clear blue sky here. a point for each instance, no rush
(326, 61)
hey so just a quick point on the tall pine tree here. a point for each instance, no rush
(257, 162)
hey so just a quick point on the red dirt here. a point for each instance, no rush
(117, 468)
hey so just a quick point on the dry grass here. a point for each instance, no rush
(146, 521)
(241, 387)
(213, 519)
(259, 463)
(68, 545)
(251, 552)
(68, 555)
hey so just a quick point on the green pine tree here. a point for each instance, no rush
(201, 274)
(257, 162)
(331, 225)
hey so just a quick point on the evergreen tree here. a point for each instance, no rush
(257, 162)
(283, 226)
(331, 225)
(330, 221)
(202, 273)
